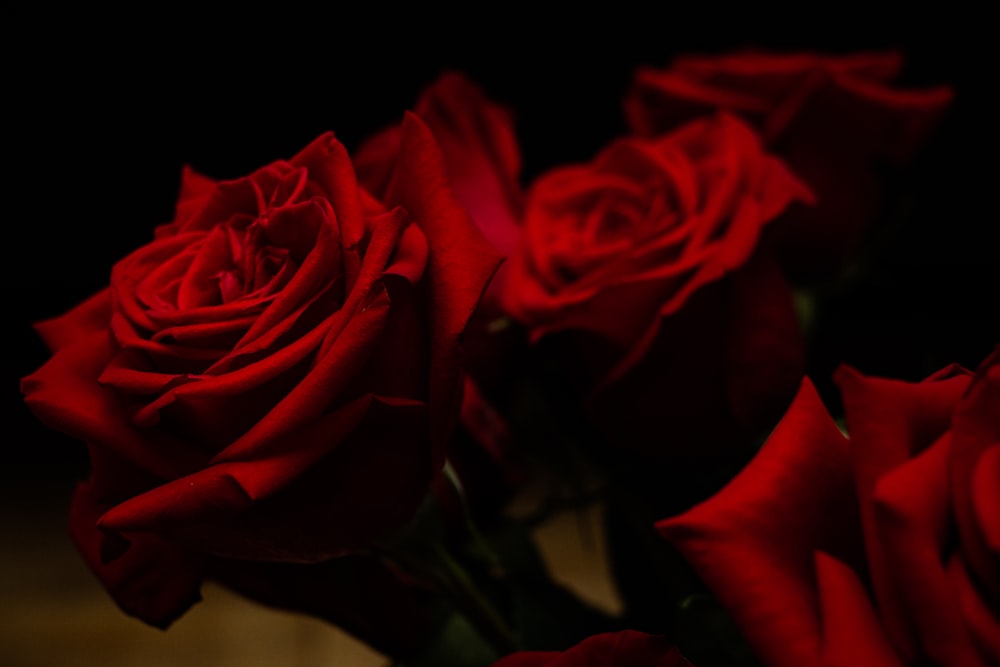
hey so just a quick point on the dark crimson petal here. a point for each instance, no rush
(460, 266)
(319, 267)
(627, 648)
(753, 543)
(248, 509)
(890, 422)
(852, 634)
(974, 473)
(979, 614)
(199, 286)
(913, 525)
(480, 151)
(153, 580)
(481, 155)
(90, 316)
(241, 196)
(65, 395)
(331, 170)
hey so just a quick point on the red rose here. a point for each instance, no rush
(627, 648)
(831, 117)
(483, 161)
(881, 549)
(274, 378)
(624, 258)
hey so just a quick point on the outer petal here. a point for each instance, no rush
(480, 150)
(974, 475)
(65, 395)
(154, 580)
(753, 542)
(92, 315)
(891, 421)
(852, 634)
(249, 509)
(460, 266)
(912, 514)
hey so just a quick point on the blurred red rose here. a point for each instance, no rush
(627, 648)
(644, 267)
(483, 162)
(881, 549)
(832, 117)
(273, 378)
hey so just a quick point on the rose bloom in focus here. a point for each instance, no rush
(838, 120)
(271, 382)
(880, 549)
(643, 271)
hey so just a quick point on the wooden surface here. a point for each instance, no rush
(53, 612)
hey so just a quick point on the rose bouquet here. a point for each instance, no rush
(352, 383)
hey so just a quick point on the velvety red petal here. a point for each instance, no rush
(66, 396)
(330, 167)
(851, 632)
(250, 509)
(912, 516)
(979, 613)
(93, 314)
(753, 543)
(890, 422)
(460, 265)
(986, 498)
(481, 155)
(975, 476)
(319, 267)
(153, 579)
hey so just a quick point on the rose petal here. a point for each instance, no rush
(852, 634)
(330, 167)
(66, 396)
(481, 155)
(251, 507)
(889, 422)
(460, 266)
(152, 580)
(979, 615)
(912, 516)
(89, 316)
(753, 542)
(974, 474)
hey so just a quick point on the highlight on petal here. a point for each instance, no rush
(460, 265)
(753, 543)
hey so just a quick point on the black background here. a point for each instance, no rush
(104, 110)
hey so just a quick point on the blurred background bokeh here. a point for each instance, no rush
(104, 109)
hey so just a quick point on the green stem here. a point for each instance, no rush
(473, 603)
